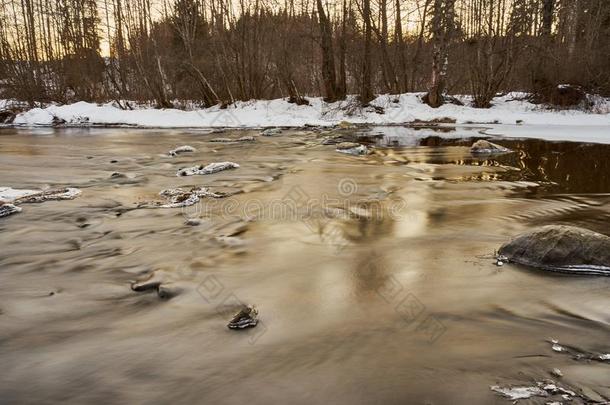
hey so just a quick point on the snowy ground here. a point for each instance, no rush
(509, 116)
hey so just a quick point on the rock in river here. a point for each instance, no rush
(561, 248)
(350, 148)
(484, 147)
(208, 169)
(8, 209)
(230, 140)
(247, 317)
(271, 132)
(181, 149)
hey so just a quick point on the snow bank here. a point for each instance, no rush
(400, 109)
(510, 115)
(8, 194)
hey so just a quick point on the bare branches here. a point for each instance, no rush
(219, 51)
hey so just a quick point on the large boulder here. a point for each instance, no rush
(561, 248)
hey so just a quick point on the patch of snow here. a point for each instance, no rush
(516, 393)
(576, 131)
(8, 194)
(511, 115)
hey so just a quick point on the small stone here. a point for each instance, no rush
(271, 132)
(193, 222)
(557, 372)
(8, 209)
(168, 291)
(208, 169)
(181, 149)
(247, 317)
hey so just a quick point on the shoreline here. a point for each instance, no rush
(510, 116)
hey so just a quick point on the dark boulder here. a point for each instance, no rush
(7, 116)
(561, 248)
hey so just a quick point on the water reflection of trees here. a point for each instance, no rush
(567, 167)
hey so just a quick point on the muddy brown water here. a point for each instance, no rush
(372, 274)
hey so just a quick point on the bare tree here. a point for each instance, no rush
(328, 54)
(441, 26)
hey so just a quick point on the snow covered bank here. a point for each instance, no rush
(405, 108)
(510, 115)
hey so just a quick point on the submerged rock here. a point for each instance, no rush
(578, 353)
(168, 291)
(67, 193)
(229, 140)
(561, 248)
(271, 132)
(350, 148)
(247, 317)
(485, 147)
(182, 149)
(8, 209)
(193, 222)
(209, 169)
(231, 241)
(557, 372)
(159, 282)
(178, 197)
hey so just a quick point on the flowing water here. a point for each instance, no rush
(373, 275)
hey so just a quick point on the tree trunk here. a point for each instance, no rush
(442, 31)
(366, 92)
(548, 7)
(402, 79)
(342, 84)
(328, 55)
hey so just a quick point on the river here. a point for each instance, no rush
(373, 275)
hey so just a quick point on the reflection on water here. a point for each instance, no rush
(383, 292)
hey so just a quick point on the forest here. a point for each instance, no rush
(201, 53)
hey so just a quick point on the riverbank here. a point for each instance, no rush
(513, 109)
(510, 116)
